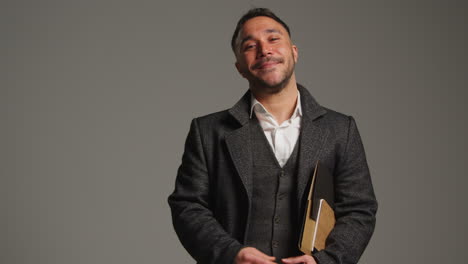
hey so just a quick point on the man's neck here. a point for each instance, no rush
(282, 104)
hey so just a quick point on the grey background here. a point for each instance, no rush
(97, 96)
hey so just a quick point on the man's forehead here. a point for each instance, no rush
(261, 24)
(264, 31)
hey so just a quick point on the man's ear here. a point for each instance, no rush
(295, 53)
(239, 69)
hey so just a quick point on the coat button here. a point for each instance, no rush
(275, 244)
(282, 173)
(277, 219)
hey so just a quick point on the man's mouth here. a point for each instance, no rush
(267, 63)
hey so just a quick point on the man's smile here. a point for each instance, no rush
(267, 63)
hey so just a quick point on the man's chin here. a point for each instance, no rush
(271, 86)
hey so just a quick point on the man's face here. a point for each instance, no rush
(265, 55)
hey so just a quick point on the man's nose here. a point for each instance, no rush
(263, 49)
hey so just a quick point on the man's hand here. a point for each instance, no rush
(250, 255)
(301, 259)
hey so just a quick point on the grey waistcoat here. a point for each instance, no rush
(274, 227)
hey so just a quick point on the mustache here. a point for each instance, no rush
(265, 60)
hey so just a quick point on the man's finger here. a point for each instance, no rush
(255, 259)
(300, 259)
(263, 255)
(253, 256)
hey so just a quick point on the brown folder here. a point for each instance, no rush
(319, 218)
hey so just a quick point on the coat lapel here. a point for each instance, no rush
(238, 142)
(312, 139)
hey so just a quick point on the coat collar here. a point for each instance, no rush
(312, 138)
(310, 108)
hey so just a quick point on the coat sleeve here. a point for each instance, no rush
(197, 228)
(355, 205)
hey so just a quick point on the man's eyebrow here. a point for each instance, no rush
(249, 37)
(270, 30)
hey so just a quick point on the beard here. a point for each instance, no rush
(272, 86)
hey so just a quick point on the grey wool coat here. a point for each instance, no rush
(212, 197)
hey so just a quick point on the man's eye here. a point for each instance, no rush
(247, 47)
(274, 39)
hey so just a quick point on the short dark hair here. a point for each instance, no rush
(255, 12)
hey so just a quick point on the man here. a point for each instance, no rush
(241, 188)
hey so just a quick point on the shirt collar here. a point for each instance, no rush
(262, 110)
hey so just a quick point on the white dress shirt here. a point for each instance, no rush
(283, 137)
